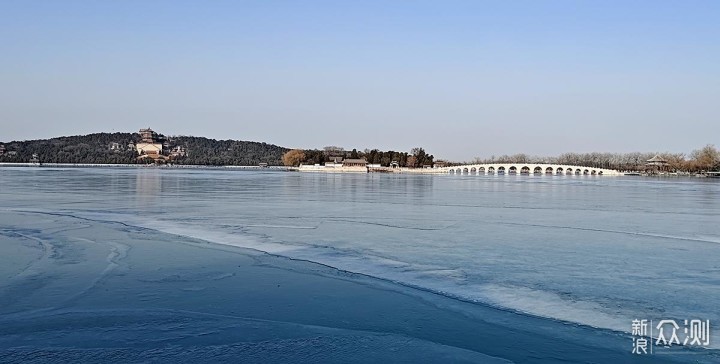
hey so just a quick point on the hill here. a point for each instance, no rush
(119, 148)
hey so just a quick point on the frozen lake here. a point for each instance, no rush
(589, 252)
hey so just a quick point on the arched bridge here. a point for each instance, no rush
(530, 168)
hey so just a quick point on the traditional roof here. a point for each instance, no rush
(355, 161)
(656, 159)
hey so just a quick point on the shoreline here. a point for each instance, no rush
(155, 166)
(339, 170)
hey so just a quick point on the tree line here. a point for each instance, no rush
(211, 152)
(703, 159)
(92, 148)
(416, 158)
(118, 148)
(97, 149)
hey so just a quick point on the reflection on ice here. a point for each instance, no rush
(572, 250)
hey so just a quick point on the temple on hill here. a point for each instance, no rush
(150, 145)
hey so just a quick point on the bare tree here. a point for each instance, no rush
(293, 157)
(334, 151)
(706, 159)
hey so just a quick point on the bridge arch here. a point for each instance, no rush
(538, 169)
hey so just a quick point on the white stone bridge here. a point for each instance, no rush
(529, 168)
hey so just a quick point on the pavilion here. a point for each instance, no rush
(657, 164)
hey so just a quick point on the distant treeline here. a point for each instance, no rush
(117, 148)
(92, 148)
(211, 152)
(704, 159)
(417, 157)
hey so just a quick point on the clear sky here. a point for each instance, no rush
(460, 78)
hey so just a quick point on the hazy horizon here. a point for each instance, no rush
(462, 79)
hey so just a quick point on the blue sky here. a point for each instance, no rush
(460, 78)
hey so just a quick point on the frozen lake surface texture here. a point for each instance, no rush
(162, 265)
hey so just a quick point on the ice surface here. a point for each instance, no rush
(585, 251)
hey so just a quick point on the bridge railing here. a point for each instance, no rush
(534, 168)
